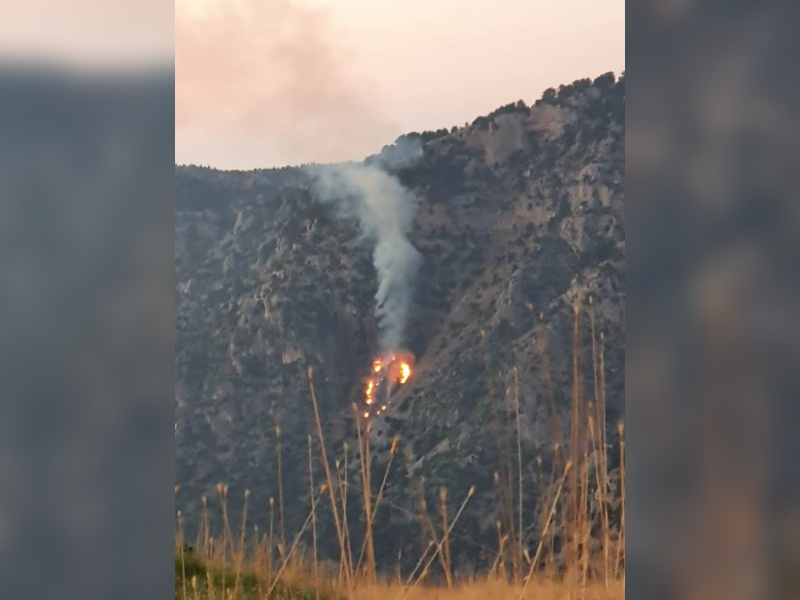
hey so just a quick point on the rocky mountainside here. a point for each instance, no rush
(520, 218)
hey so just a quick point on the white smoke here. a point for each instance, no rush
(385, 210)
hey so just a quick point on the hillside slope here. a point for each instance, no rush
(521, 215)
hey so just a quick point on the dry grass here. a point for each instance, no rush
(492, 589)
(295, 584)
(578, 552)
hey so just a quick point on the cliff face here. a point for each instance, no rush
(521, 217)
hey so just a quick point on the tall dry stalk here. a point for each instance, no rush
(287, 558)
(439, 546)
(503, 462)
(595, 374)
(500, 562)
(519, 463)
(240, 557)
(343, 490)
(178, 532)
(366, 480)
(281, 514)
(428, 524)
(555, 421)
(397, 566)
(575, 438)
(222, 490)
(448, 572)
(585, 524)
(494, 571)
(421, 560)
(552, 487)
(313, 517)
(337, 522)
(374, 509)
(621, 538)
(551, 513)
(209, 585)
(544, 354)
(365, 490)
(271, 534)
(594, 436)
(544, 500)
(256, 551)
(601, 461)
(539, 469)
(179, 539)
(601, 412)
(542, 495)
(337, 465)
(203, 536)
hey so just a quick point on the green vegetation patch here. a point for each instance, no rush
(225, 579)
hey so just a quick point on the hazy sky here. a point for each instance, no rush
(88, 33)
(270, 82)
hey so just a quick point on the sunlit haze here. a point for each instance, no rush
(267, 83)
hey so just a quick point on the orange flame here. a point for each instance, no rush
(370, 387)
(405, 372)
(387, 372)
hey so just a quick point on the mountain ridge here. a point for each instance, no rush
(520, 218)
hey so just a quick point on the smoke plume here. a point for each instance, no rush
(385, 211)
(270, 82)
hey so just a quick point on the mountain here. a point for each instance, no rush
(520, 218)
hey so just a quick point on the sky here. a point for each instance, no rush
(263, 83)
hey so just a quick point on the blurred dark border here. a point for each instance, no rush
(86, 332)
(713, 398)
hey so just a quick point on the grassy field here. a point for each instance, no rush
(196, 579)
(203, 580)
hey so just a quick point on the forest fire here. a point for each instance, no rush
(405, 372)
(388, 374)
